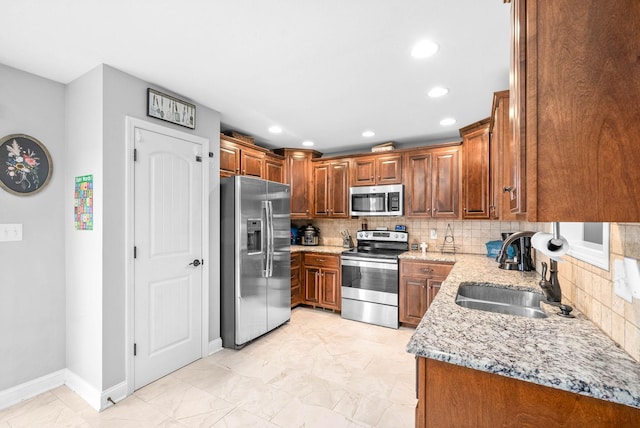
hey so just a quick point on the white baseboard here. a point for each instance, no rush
(116, 393)
(30, 389)
(87, 392)
(215, 346)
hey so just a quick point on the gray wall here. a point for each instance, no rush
(126, 95)
(32, 276)
(62, 291)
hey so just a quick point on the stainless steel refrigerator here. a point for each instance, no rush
(255, 287)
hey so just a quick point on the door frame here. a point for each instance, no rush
(131, 124)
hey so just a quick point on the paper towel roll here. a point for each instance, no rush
(540, 241)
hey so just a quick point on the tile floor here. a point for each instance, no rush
(319, 370)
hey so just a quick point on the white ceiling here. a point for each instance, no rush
(323, 70)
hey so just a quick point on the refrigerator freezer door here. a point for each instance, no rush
(279, 283)
(250, 283)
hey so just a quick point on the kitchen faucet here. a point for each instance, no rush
(551, 287)
(502, 254)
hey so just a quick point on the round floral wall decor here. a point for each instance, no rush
(25, 164)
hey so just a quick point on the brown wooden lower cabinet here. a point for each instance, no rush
(296, 289)
(419, 283)
(322, 280)
(458, 397)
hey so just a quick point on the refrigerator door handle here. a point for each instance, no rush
(265, 242)
(270, 244)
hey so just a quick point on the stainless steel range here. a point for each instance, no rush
(370, 277)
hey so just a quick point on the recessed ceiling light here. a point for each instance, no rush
(368, 134)
(275, 129)
(307, 143)
(424, 49)
(447, 121)
(438, 91)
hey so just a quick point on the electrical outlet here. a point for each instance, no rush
(10, 232)
(434, 234)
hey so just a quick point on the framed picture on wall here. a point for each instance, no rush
(171, 109)
(25, 165)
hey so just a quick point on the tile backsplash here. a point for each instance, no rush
(590, 289)
(586, 287)
(469, 236)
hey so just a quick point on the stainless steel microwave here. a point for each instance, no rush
(385, 200)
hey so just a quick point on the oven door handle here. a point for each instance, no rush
(369, 264)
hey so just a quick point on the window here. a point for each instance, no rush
(588, 242)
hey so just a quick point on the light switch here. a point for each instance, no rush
(10, 232)
(434, 234)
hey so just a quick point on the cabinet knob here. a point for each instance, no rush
(379, 177)
(372, 177)
(507, 189)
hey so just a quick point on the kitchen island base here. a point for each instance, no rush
(455, 396)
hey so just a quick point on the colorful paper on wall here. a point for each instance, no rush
(83, 209)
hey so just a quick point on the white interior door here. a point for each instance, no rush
(168, 242)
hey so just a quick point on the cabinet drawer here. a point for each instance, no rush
(425, 269)
(322, 260)
(295, 260)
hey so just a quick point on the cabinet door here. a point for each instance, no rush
(418, 185)
(321, 190)
(274, 170)
(433, 286)
(338, 198)
(364, 171)
(515, 155)
(252, 163)
(499, 162)
(298, 176)
(446, 173)
(389, 169)
(229, 159)
(330, 289)
(311, 285)
(296, 289)
(475, 175)
(413, 299)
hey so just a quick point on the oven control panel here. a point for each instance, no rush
(383, 235)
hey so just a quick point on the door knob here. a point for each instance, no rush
(195, 263)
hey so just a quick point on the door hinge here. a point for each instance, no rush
(135, 155)
(198, 158)
(135, 252)
(135, 349)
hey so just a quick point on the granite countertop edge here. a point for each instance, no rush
(570, 354)
(330, 249)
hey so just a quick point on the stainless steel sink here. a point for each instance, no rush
(487, 297)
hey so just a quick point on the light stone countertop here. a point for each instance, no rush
(317, 249)
(571, 354)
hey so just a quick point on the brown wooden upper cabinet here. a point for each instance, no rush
(331, 189)
(376, 169)
(501, 159)
(574, 97)
(475, 170)
(238, 157)
(432, 181)
(297, 172)
(274, 168)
